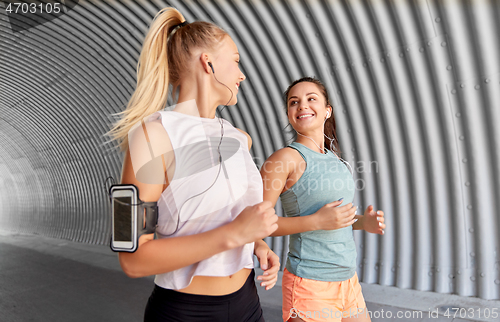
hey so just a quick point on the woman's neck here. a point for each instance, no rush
(196, 100)
(314, 141)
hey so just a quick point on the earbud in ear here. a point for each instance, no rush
(327, 114)
(211, 66)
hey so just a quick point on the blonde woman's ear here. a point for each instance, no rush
(207, 65)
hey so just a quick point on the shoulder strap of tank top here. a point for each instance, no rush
(299, 148)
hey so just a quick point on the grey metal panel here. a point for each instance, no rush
(415, 88)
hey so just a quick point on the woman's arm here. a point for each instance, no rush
(269, 263)
(371, 221)
(156, 256)
(275, 172)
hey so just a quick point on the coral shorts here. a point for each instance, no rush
(313, 300)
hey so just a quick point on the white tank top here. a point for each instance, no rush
(205, 202)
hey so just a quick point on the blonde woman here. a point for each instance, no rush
(212, 217)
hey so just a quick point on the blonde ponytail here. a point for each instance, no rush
(151, 92)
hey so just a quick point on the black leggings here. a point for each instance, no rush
(169, 305)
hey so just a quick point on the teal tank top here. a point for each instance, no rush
(323, 255)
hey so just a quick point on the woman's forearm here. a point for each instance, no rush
(260, 243)
(168, 254)
(294, 225)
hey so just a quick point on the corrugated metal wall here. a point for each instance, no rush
(416, 91)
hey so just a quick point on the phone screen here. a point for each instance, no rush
(122, 219)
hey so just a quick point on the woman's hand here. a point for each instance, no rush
(331, 216)
(254, 223)
(269, 263)
(145, 238)
(373, 222)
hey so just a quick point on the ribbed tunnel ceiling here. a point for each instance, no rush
(415, 87)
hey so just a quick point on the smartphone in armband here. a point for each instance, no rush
(124, 218)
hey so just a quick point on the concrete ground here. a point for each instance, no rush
(45, 279)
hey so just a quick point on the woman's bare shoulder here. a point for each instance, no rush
(285, 160)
